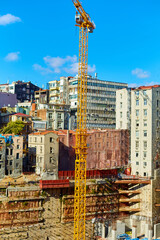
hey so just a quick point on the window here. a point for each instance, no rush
(17, 165)
(99, 145)
(120, 104)
(120, 114)
(145, 123)
(144, 164)
(137, 133)
(41, 139)
(137, 113)
(7, 151)
(157, 103)
(18, 140)
(59, 115)
(18, 147)
(40, 149)
(51, 139)
(137, 144)
(137, 102)
(137, 123)
(145, 174)
(50, 115)
(40, 159)
(10, 172)
(51, 150)
(121, 95)
(137, 154)
(11, 151)
(145, 112)
(144, 154)
(145, 102)
(157, 113)
(17, 156)
(145, 144)
(137, 163)
(145, 133)
(35, 139)
(51, 159)
(11, 162)
(137, 173)
(144, 92)
(137, 93)
(120, 124)
(0, 156)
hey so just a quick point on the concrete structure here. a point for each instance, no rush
(145, 130)
(7, 99)
(44, 152)
(11, 155)
(106, 149)
(101, 102)
(123, 108)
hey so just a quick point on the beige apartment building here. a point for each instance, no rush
(145, 130)
(123, 108)
(44, 152)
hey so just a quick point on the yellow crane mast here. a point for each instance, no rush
(85, 25)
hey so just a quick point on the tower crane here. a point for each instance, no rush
(85, 25)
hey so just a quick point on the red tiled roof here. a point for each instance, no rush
(21, 115)
(146, 87)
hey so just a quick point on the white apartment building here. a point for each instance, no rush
(145, 130)
(123, 108)
(101, 102)
(44, 152)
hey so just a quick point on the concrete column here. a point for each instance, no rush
(150, 232)
(113, 232)
(155, 231)
(134, 229)
(103, 230)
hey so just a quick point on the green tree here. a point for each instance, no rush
(13, 127)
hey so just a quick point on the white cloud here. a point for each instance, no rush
(73, 68)
(57, 62)
(69, 64)
(13, 56)
(140, 73)
(43, 70)
(8, 19)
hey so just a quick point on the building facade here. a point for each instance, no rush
(101, 102)
(145, 130)
(42, 96)
(7, 99)
(11, 155)
(44, 152)
(123, 108)
(23, 90)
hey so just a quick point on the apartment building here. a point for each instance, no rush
(54, 91)
(145, 130)
(44, 152)
(101, 102)
(11, 155)
(42, 96)
(55, 114)
(23, 90)
(123, 108)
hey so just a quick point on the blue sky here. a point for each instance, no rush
(39, 40)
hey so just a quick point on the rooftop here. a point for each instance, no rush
(21, 115)
(146, 87)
